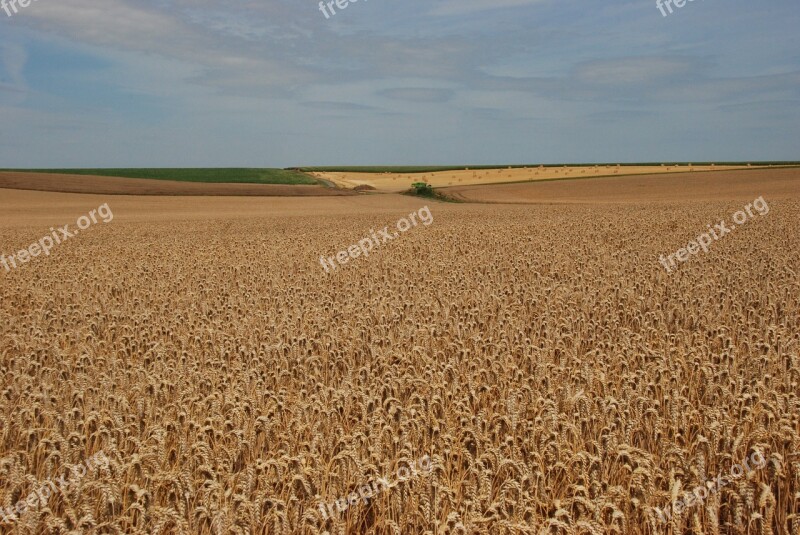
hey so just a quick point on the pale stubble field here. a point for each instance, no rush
(560, 379)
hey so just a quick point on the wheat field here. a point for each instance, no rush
(559, 378)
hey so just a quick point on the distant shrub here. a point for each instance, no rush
(422, 188)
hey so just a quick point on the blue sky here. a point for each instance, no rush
(158, 83)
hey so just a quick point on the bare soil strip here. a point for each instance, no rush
(728, 185)
(140, 186)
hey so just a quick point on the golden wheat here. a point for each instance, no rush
(560, 379)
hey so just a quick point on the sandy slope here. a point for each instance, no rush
(402, 181)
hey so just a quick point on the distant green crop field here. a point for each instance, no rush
(223, 175)
(435, 169)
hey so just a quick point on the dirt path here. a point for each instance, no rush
(140, 186)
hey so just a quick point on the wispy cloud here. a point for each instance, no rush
(197, 82)
(418, 94)
(13, 58)
(462, 7)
